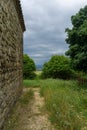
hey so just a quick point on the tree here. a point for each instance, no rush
(28, 67)
(57, 67)
(77, 40)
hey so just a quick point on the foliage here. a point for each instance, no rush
(57, 67)
(66, 105)
(77, 40)
(28, 67)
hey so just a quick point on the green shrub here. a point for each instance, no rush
(28, 67)
(58, 67)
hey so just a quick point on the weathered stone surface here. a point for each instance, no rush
(11, 48)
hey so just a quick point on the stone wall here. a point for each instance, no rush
(11, 48)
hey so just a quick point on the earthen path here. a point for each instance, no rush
(37, 119)
(33, 117)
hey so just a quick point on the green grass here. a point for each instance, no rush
(67, 106)
(31, 83)
(65, 103)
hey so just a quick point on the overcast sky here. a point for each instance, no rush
(45, 22)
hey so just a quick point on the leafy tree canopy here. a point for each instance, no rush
(77, 40)
(57, 67)
(28, 67)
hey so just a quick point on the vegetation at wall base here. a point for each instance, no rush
(25, 99)
(14, 117)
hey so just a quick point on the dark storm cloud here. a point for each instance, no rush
(46, 21)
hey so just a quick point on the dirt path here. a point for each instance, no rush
(37, 120)
(32, 117)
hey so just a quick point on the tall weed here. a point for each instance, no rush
(66, 105)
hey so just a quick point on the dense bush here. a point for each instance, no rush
(58, 67)
(28, 67)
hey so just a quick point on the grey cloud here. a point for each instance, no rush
(45, 26)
